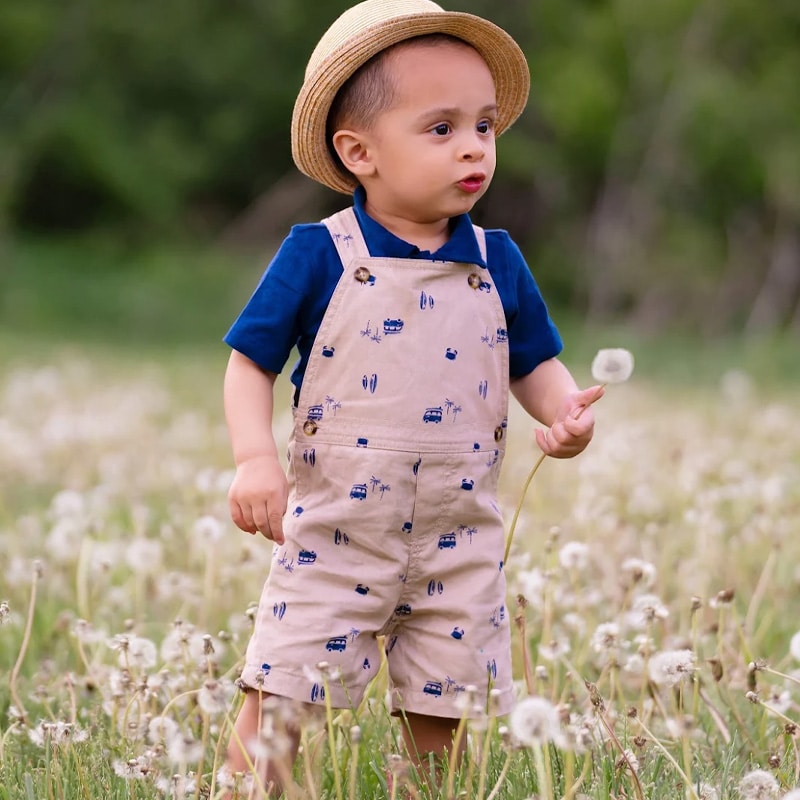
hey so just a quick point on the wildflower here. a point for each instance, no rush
(646, 609)
(722, 599)
(612, 365)
(134, 769)
(144, 556)
(5, 612)
(141, 653)
(213, 697)
(209, 528)
(759, 785)
(555, 650)
(606, 637)
(184, 749)
(637, 571)
(574, 556)
(628, 761)
(707, 792)
(535, 721)
(161, 730)
(86, 633)
(670, 667)
(56, 733)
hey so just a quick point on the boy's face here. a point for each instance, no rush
(431, 156)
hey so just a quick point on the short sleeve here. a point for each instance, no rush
(273, 320)
(532, 335)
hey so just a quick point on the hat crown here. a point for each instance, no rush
(359, 19)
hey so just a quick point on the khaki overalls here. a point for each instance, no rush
(393, 526)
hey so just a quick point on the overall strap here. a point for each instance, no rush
(349, 241)
(346, 234)
(480, 235)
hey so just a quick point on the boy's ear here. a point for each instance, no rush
(353, 150)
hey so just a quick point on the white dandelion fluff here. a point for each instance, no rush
(535, 721)
(670, 667)
(794, 646)
(613, 365)
(759, 785)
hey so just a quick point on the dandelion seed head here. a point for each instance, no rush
(612, 365)
(162, 729)
(670, 667)
(214, 697)
(535, 721)
(574, 556)
(184, 749)
(793, 795)
(759, 785)
(638, 572)
(134, 769)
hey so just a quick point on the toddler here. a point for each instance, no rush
(411, 326)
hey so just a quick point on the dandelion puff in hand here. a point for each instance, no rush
(759, 785)
(612, 365)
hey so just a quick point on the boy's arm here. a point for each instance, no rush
(258, 495)
(551, 396)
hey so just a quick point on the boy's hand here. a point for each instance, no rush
(258, 496)
(573, 426)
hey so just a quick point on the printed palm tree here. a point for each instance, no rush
(376, 337)
(354, 632)
(336, 236)
(461, 528)
(347, 238)
(384, 487)
(367, 331)
(329, 401)
(449, 683)
(335, 406)
(290, 566)
(374, 482)
(283, 561)
(487, 338)
(471, 532)
(456, 411)
(448, 404)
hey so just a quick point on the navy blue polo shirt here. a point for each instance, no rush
(287, 307)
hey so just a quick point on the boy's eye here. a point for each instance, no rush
(442, 129)
(485, 126)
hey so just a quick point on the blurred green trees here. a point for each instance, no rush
(656, 172)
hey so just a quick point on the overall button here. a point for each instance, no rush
(310, 427)
(498, 433)
(474, 280)
(362, 275)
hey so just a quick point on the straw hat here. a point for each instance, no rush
(364, 31)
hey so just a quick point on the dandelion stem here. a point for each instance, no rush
(455, 752)
(23, 648)
(485, 756)
(501, 778)
(533, 472)
(337, 778)
(545, 787)
(690, 792)
(572, 789)
(513, 526)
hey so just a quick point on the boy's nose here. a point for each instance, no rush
(473, 149)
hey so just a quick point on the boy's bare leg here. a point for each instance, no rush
(243, 748)
(424, 735)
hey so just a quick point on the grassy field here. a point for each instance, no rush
(653, 581)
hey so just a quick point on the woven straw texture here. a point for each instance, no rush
(365, 30)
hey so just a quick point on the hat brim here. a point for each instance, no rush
(502, 54)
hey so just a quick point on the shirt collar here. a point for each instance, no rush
(462, 246)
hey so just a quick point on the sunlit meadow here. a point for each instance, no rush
(653, 590)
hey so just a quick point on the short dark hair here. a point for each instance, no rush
(371, 89)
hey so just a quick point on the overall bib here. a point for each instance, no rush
(393, 527)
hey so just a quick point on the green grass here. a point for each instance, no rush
(120, 407)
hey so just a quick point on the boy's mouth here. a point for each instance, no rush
(472, 183)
